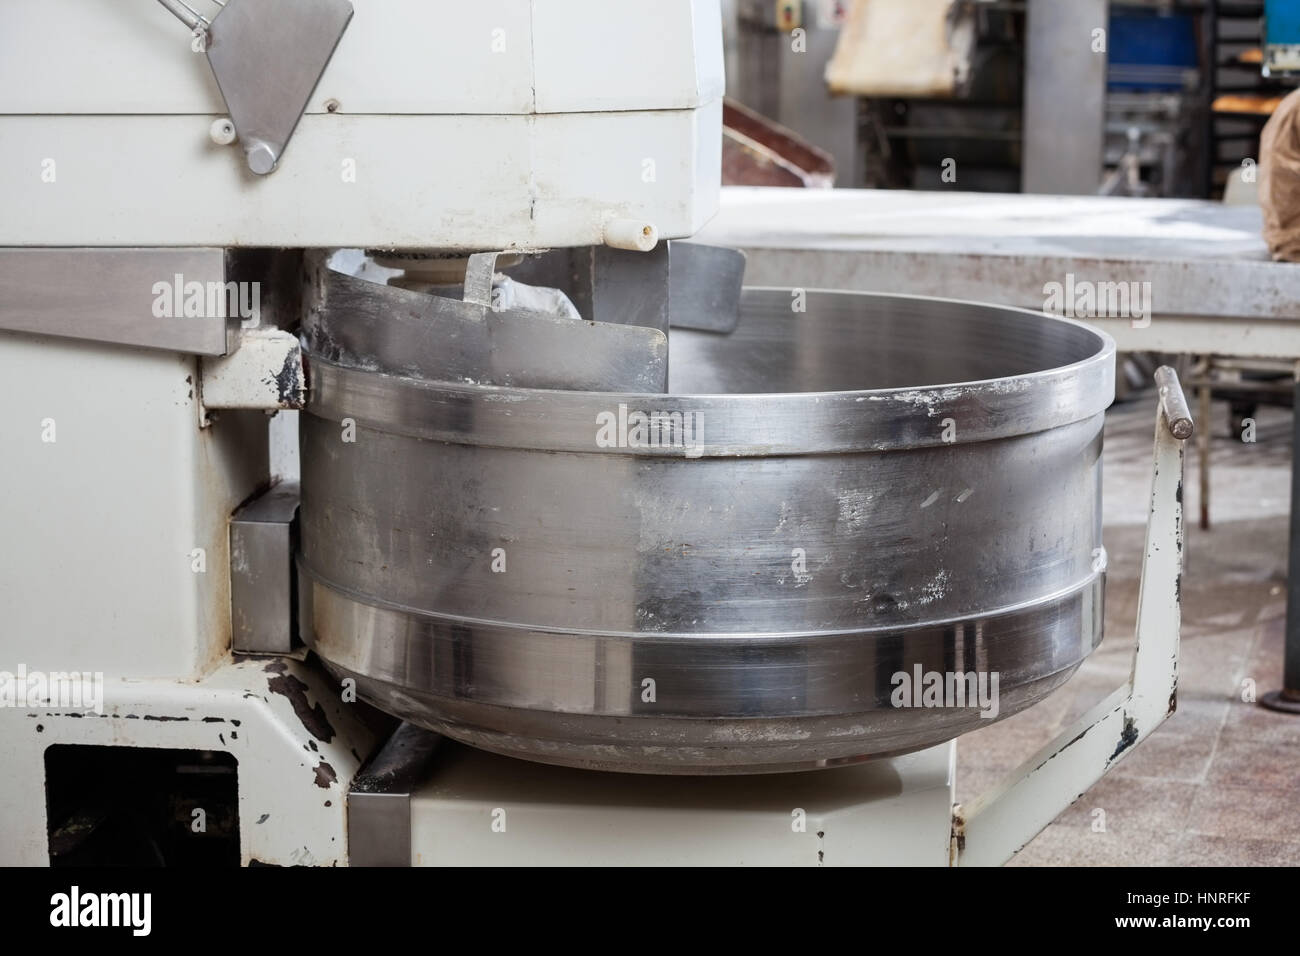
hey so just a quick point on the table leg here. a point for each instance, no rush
(1288, 698)
(1203, 452)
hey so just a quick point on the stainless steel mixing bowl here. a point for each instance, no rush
(876, 486)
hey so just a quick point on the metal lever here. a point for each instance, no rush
(267, 57)
(999, 823)
(1173, 403)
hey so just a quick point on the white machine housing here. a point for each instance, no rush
(511, 124)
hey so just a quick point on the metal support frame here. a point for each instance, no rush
(999, 823)
(297, 744)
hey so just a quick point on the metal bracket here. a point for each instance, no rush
(999, 823)
(265, 372)
(267, 57)
(685, 285)
(263, 595)
(479, 272)
(704, 286)
(175, 300)
(379, 801)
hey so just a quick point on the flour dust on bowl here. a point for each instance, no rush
(846, 532)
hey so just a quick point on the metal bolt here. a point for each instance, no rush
(261, 159)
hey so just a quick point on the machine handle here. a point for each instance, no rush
(1173, 403)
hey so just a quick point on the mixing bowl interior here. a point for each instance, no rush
(851, 342)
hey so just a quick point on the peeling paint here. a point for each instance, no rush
(326, 776)
(289, 381)
(1127, 738)
(295, 691)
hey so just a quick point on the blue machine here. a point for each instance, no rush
(1281, 36)
(1152, 51)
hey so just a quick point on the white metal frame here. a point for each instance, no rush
(999, 823)
(293, 774)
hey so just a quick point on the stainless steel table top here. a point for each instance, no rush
(1205, 262)
(993, 224)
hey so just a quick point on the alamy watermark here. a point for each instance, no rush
(1083, 299)
(66, 690)
(651, 429)
(133, 911)
(922, 688)
(181, 299)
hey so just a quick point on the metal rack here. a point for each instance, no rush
(1226, 31)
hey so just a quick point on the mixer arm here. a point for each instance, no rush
(1000, 822)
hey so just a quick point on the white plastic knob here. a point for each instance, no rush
(222, 131)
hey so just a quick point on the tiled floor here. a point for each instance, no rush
(1219, 782)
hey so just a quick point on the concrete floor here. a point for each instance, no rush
(1219, 782)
